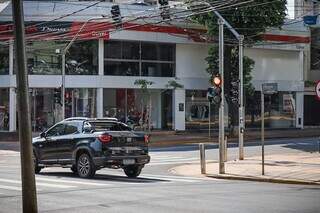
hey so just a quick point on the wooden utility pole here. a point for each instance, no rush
(29, 193)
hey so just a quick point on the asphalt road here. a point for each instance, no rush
(156, 190)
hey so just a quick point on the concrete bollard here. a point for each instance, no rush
(202, 158)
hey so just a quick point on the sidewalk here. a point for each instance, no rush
(298, 168)
(170, 138)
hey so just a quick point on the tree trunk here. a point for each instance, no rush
(233, 108)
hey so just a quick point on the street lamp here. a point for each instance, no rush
(63, 55)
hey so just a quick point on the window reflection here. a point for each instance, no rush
(4, 109)
(44, 58)
(139, 59)
(82, 58)
(4, 59)
(80, 102)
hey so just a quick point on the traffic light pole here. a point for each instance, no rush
(29, 193)
(241, 106)
(221, 109)
(63, 83)
(241, 101)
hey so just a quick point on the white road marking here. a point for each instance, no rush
(38, 184)
(168, 178)
(15, 188)
(71, 181)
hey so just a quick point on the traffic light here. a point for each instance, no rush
(234, 91)
(57, 95)
(214, 92)
(163, 2)
(116, 16)
(164, 7)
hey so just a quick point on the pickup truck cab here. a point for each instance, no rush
(88, 144)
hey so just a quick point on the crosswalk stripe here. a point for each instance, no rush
(175, 160)
(71, 181)
(38, 184)
(165, 157)
(15, 188)
(179, 177)
(168, 178)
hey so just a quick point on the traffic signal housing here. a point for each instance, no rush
(57, 95)
(116, 16)
(234, 91)
(214, 92)
(164, 7)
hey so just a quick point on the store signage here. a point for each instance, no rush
(318, 90)
(269, 88)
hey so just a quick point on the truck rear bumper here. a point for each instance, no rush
(121, 161)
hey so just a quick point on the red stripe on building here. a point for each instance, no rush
(286, 38)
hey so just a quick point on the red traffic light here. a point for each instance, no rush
(216, 81)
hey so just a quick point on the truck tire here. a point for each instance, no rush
(132, 171)
(85, 166)
(37, 168)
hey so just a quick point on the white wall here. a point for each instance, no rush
(191, 65)
(274, 65)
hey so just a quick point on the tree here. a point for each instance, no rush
(145, 117)
(250, 20)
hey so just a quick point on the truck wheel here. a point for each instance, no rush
(37, 169)
(132, 171)
(85, 166)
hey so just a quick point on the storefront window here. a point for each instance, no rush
(80, 102)
(197, 110)
(4, 109)
(44, 57)
(280, 110)
(82, 58)
(4, 59)
(43, 109)
(131, 106)
(139, 59)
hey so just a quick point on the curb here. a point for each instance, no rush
(267, 180)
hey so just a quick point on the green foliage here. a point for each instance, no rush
(173, 84)
(249, 20)
(143, 83)
(248, 65)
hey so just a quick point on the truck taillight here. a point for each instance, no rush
(146, 138)
(105, 138)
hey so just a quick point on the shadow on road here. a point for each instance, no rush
(103, 177)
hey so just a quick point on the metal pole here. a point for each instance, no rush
(63, 83)
(209, 121)
(202, 158)
(29, 193)
(262, 129)
(241, 106)
(221, 109)
(225, 149)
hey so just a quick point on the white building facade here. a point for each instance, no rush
(102, 69)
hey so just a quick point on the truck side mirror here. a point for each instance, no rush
(43, 134)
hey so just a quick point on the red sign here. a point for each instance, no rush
(318, 90)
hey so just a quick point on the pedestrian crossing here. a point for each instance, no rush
(162, 159)
(46, 183)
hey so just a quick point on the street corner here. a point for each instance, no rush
(298, 168)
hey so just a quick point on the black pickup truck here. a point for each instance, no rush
(88, 144)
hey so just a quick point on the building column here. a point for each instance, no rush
(179, 102)
(100, 73)
(12, 110)
(99, 102)
(299, 109)
(12, 93)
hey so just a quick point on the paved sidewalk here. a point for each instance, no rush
(299, 168)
